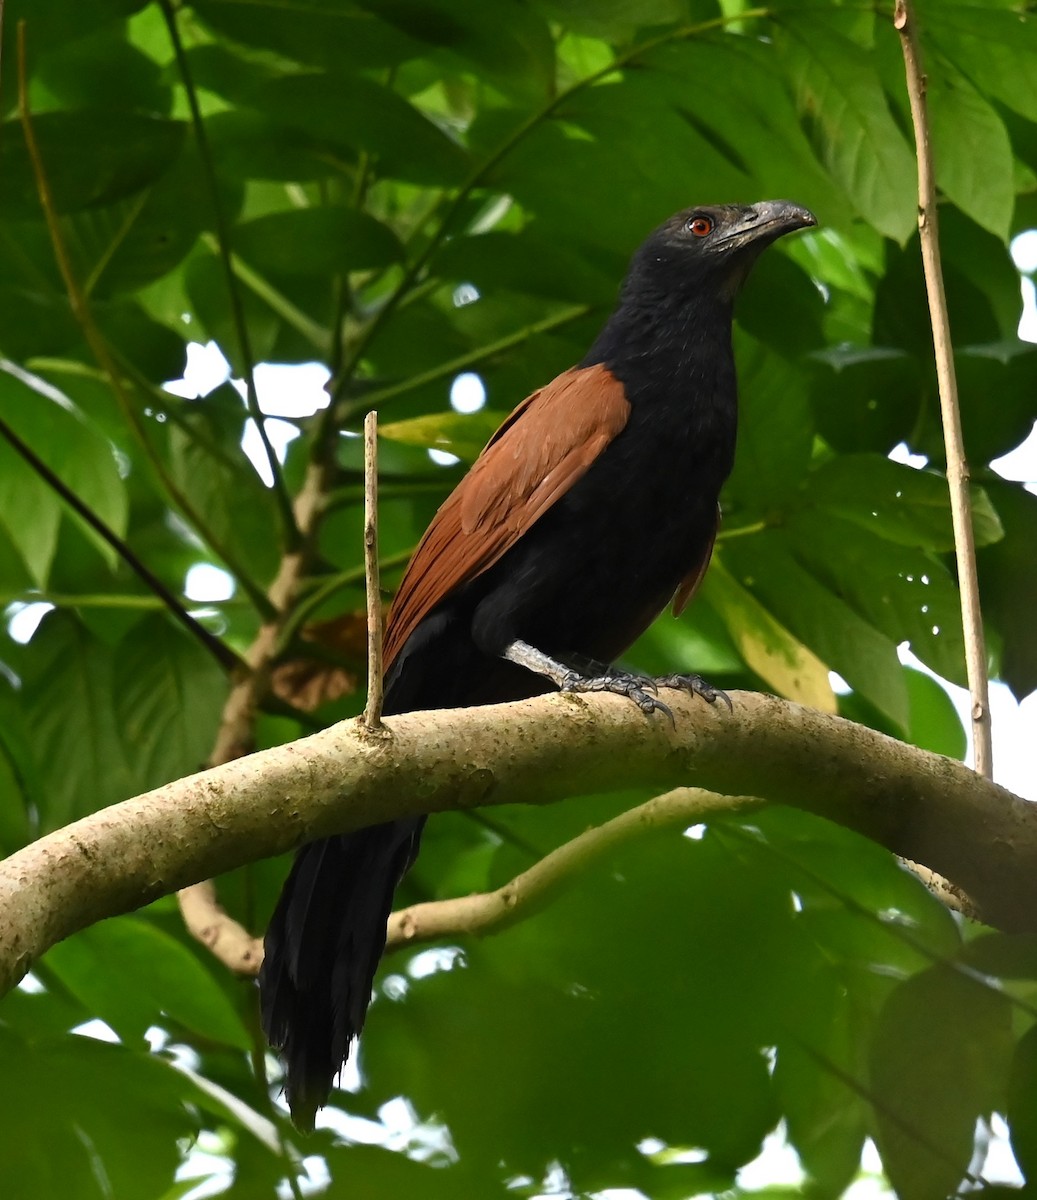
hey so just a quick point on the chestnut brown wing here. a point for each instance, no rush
(535, 457)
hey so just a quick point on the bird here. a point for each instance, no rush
(593, 507)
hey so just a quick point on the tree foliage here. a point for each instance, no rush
(403, 191)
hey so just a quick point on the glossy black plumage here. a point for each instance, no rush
(589, 510)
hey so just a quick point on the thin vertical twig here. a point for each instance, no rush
(957, 465)
(373, 708)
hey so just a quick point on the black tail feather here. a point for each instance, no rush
(322, 949)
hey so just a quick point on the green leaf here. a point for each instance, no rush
(934, 722)
(845, 642)
(19, 779)
(91, 158)
(356, 114)
(463, 434)
(128, 972)
(982, 287)
(866, 398)
(316, 241)
(994, 46)
(522, 261)
(1010, 374)
(93, 1094)
(904, 592)
(510, 43)
(976, 174)
(838, 93)
(767, 646)
(101, 69)
(67, 694)
(897, 502)
(827, 1118)
(168, 695)
(775, 430)
(323, 33)
(940, 1051)
(1008, 583)
(54, 429)
(1022, 1114)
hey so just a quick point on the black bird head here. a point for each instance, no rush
(713, 246)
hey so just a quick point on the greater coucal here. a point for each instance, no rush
(590, 509)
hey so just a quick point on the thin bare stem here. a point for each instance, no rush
(237, 310)
(373, 708)
(957, 465)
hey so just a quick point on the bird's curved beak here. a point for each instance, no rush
(764, 223)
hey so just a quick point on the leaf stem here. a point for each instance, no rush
(957, 464)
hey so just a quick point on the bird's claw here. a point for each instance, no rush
(634, 687)
(695, 685)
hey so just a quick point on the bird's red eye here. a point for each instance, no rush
(700, 226)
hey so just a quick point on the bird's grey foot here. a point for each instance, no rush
(621, 683)
(695, 685)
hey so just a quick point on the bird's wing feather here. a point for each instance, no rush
(690, 583)
(532, 460)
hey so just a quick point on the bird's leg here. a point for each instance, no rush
(695, 685)
(567, 680)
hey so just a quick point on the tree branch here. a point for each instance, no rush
(954, 444)
(375, 683)
(528, 893)
(929, 809)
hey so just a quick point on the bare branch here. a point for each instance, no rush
(957, 465)
(207, 920)
(529, 892)
(373, 708)
(921, 806)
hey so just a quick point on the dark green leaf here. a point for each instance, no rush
(775, 431)
(904, 592)
(93, 1094)
(994, 46)
(1008, 580)
(897, 502)
(976, 174)
(843, 641)
(55, 431)
(323, 33)
(1022, 1114)
(67, 691)
(838, 95)
(90, 157)
(128, 972)
(168, 695)
(353, 113)
(940, 1051)
(316, 241)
